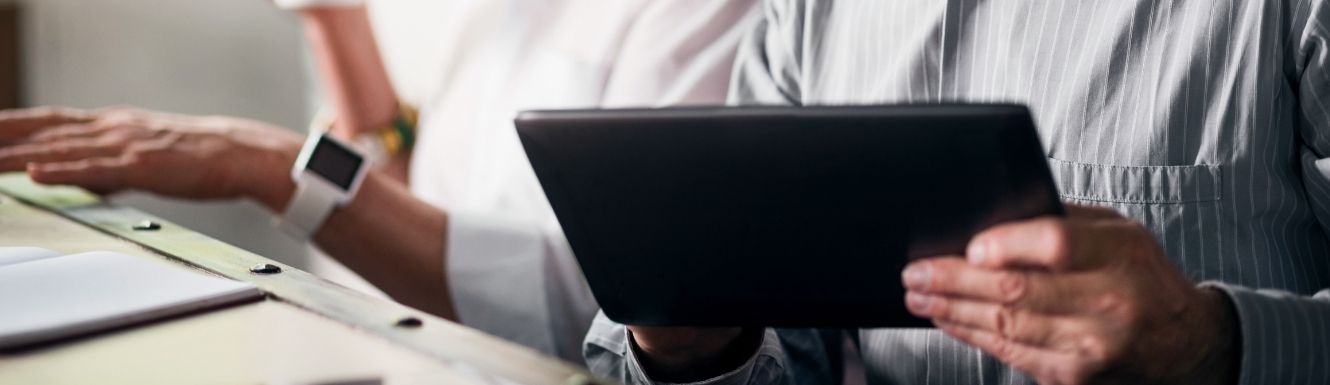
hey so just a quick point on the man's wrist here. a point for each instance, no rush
(272, 185)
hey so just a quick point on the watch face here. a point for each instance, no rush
(335, 163)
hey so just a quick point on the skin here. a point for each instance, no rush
(351, 69)
(1089, 298)
(227, 158)
(210, 158)
(1085, 299)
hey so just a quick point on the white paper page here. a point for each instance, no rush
(13, 255)
(80, 293)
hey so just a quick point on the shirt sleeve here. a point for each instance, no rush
(679, 53)
(765, 72)
(515, 279)
(1286, 337)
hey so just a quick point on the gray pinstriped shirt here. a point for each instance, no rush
(1204, 119)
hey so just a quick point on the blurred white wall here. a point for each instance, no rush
(230, 57)
(413, 37)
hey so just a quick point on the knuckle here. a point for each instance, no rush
(131, 158)
(1108, 303)
(1005, 351)
(1057, 242)
(1117, 308)
(940, 308)
(138, 148)
(1097, 351)
(1012, 286)
(1094, 349)
(1076, 375)
(1004, 321)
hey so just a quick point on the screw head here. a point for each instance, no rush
(147, 225)
(265, 268)
(409, 322)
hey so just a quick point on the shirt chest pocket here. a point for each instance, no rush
(1115, 185)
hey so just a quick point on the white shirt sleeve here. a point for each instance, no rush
(513, 279)
(679, 53)
(512, 274)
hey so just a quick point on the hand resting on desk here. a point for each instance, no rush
(175, 155)
(385, 234)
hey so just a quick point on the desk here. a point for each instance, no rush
(306, 330)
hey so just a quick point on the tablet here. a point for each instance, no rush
(775, 216)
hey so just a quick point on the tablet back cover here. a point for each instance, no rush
(778, 216)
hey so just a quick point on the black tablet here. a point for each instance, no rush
(796, 217)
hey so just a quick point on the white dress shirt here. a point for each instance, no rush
(480, 62)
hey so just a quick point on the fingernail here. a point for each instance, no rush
(916, 276)
(917, 302)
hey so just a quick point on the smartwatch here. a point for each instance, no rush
(327, 174)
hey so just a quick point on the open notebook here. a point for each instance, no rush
(46, 296)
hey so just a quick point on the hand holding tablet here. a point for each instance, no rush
(779, 216)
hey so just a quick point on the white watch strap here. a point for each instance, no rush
(307, 210)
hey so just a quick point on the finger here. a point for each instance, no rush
(67, 131)
(18, 124)
(18, 157)
(953, 276)
(1047, 366)
(1020, 325)
(1038, 290)
(1045, 242)
(98, 174)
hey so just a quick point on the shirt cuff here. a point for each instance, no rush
(496, 277)
(609, 353)
(1285, 337)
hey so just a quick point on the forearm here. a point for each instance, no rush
(395, 241)
(350, 68)
(389, 237)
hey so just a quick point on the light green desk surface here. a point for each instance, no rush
(307, 330)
